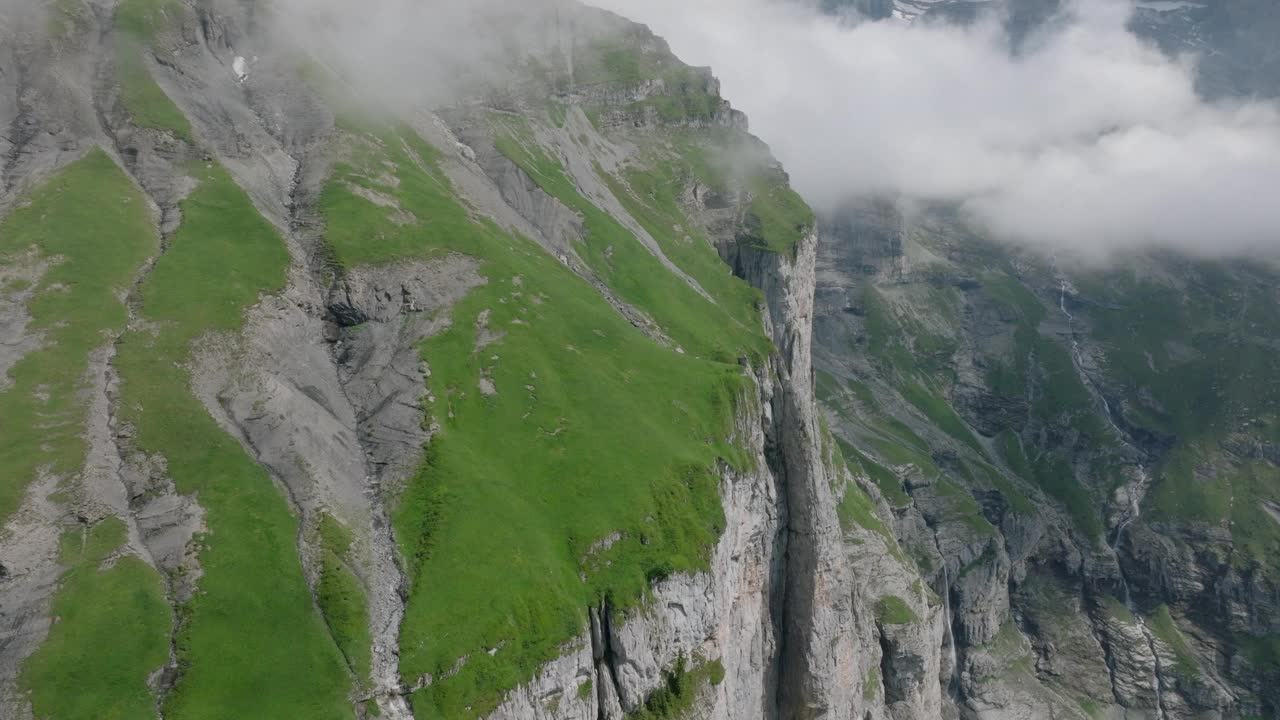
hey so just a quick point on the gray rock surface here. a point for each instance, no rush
(19, 280)
(29, 545)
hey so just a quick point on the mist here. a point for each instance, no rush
(1089, 140)
(411, 53)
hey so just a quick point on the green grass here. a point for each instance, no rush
(1196, 360)
(681, 107)
(1163, 626)
(827, 387)
(137, 22)
(1117, 610)
(650, 196)
(1010, 447)
(1089, 707)
(67, 18)
(342, 598)
(251, 643)
(871, 684)
(855, 509)
(111, 632)
(715, 672)
(143, 19)
(1218, 314)
(674, 698)
(1263, 652)
(720, 331)
(1060, 398)
(893, 610)
(595, 429)
(778, 218)
(1022, 306)
(1231, 492)
(884, 478)
(884, 333)
(94, 228)
(963, 508)
(1018, 500)
(1055, 476)
(940, 414)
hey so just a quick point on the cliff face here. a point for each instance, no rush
(1079, 445)
(499, 408)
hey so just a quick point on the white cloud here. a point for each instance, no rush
(1089, 139)
(406, 53)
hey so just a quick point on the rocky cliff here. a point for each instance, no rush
(1074, 454)
(495, 407)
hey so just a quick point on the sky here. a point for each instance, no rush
(1088, 140)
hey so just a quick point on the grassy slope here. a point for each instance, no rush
(341, 597)
(114, 622)
(1059, 398)
(1199, 363)
(1192, 353)
(111, 633)
(91, 221)
(649, 194)
(907, 354)
(250, 643)
(594, 429)
(777, 217)
(916, 362)
(639, 278)
(893, 610)
(137, 21)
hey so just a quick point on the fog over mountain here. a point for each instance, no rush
(1090, 139)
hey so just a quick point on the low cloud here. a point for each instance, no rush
(1089, 139)
(402, 54)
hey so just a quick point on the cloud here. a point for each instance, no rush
(1089, 139)
(408, 53)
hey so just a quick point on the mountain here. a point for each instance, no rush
(321, 405)
(507, 377)
(1082, 459)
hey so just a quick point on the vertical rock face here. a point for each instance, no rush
(818, 649)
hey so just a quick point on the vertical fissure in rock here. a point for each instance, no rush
(892, 691)
(953, 682)
(608, 691)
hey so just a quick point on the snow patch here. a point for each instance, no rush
(240, 67)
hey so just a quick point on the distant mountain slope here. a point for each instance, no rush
(1085, 460)
(1233, 40)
